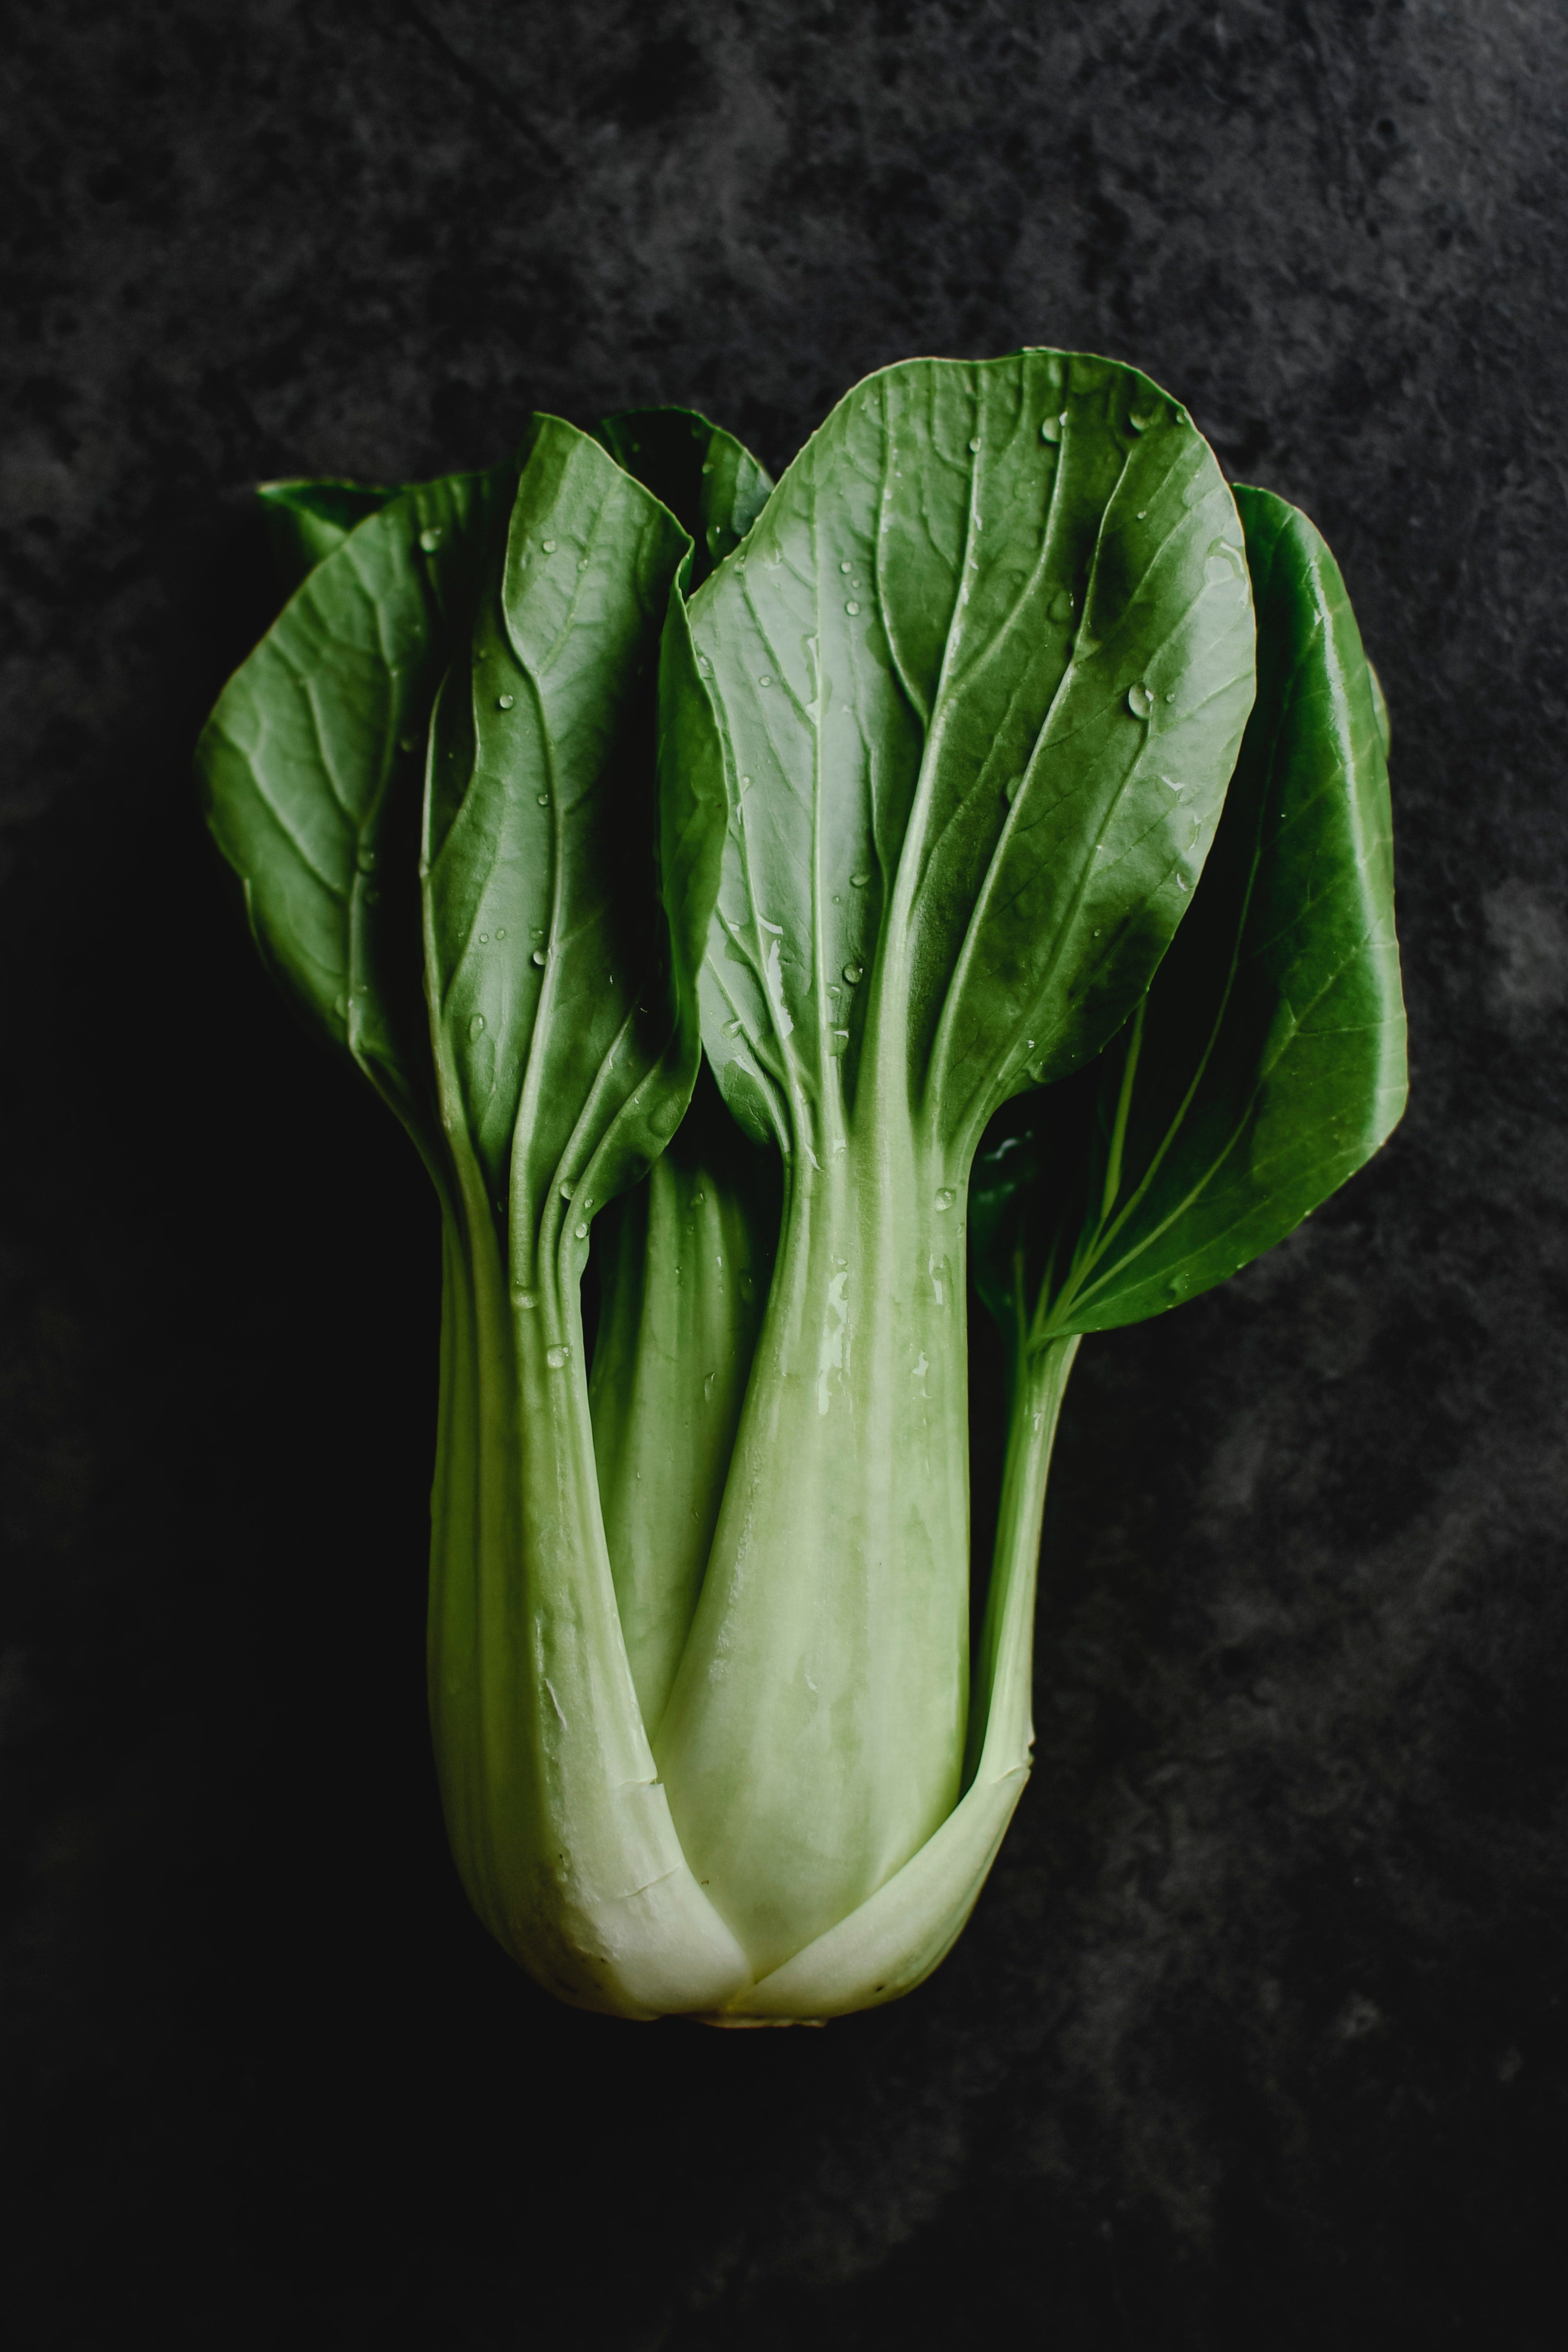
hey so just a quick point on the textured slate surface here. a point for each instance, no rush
(1258, 2035)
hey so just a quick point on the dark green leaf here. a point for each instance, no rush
(715, 489)
(1267, 1062)
(988, 611)
(561, 1044)
(306, 520)
(312, 767)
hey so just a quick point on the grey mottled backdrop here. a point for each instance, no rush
(1257, 2037)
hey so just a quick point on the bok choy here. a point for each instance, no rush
(966, 862)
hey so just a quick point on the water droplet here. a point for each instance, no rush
(1171, 696)
(539, 958)
(582, 562)
(1224, 561)
(504, 701)
(1171, 785)
(484, 939)
(558, 1357)
(852, 607)
(705, 665)
(567, 1191)
(746, 784)
(974, 448)
(544, 800)
(837, 1042)
(733, 1028)
(1143, 514)
(1061, 605)
(340, 1007)
(549, 546)
(429, 539)
(526, 1300)
(843, 567)
(1142, 418)
(1051, 428)
(765, 677)
(853, 971)
(579, 1231)
(858, 881)
(366, 860)
(1140, 701)
(945, 1200)
(501, 933)
(477, 1026)
(1011, 788)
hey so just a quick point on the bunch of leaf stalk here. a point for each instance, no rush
(963, 865)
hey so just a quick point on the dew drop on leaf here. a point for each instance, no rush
(544, 800)
(549, 546)
(429, 539)
(843, 567)
(484, 939)
(945, 1200)
(853, 971)
(765, 677)
(1051, 428)
(1142, 418)
(974, 448)
(477, 1026)
(501, 932)
(579, 1230)
(731, 1028)
(1140, 701)
(858, 881)
(539, 958)
(525, 1299)
(852, 607)
(504, 701)
(558, 1357)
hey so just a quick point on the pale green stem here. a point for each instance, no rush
(684, 1278)
(814, 1736)
(1001, 1726)
(560, 1825)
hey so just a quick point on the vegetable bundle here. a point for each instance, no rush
(968, 860)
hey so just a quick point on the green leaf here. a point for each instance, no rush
(1267, 1062)
(306, 520)
(563, 1053)
(989, 609)
(312, 764)
(715, 489)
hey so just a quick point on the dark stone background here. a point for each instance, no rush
(1257, 2037)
